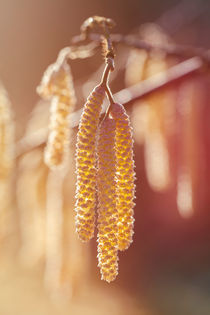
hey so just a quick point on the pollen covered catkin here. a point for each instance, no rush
(125, 176)
(57, 84)
(86, 164)
(107, 211)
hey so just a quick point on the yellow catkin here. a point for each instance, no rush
(160, 112)
(107, 211)
(54, 227)
(6, 164)
(57, 84)
(153, 119)
(6, 135)
(188, 177)
(67, 258)
(31, 203)
(125, 176)
(86, 165)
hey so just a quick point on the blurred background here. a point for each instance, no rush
(166, 270)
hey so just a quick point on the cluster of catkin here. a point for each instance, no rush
(57, 85)
(104, 163)
(105, 180)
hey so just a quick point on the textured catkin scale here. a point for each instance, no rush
(57, 84)
(86, 165)
(125, 176)
(107, 211)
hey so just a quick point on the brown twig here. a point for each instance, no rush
(105, 78)
(126, 96)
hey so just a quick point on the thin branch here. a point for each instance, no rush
(126, 96)
(159, 81)
(105, 78)
(182, 51)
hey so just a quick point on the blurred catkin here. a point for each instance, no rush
(190, 146)
(57, 85)
(125, 176)
(6, 162)
(107, 210)
(154, 118)
(67, 258)
(86, 164)
(6, 134)
(31, 201)
(54, 228)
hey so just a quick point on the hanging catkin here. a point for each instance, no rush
(86, 165)
(6, 134)
(57, 84)
(107, 211)
(188, 177)
(160, 112)
(32, 172)
(125, 176)
(6, 163)
(54, 227)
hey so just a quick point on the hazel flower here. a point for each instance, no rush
(125, 176)
(86, 164)
(107, 211)
(6, 135)
(57, 85)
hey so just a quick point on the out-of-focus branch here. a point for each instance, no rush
(182, 51)
(127, 96)
(182, 14)
(173, 75)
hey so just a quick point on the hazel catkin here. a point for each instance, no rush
(57, 84)
(125, 176)
(86, 164)
(107, 211)
(6, 135)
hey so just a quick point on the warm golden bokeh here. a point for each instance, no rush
(45, 268)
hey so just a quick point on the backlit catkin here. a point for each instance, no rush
(6, 164)
(86, 165)
(57, 84)
(6, 135)
(125, 176)
(107, 211)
